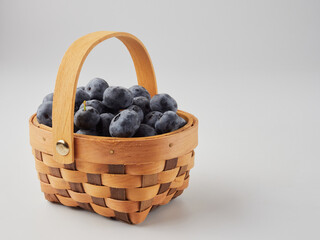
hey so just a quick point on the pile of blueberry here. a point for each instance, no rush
(104, 110)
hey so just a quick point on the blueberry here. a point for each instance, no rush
(88, 132)
(125, 124)
(137, 110)
(75, 128)
(86, 118)
(163, 102)
(81, 96)
(48, 98)
(104, 123)
(169, 122)
(182, 122)
(117, 97)
(143, 103)
(81, 87)
(151, 118)
(145, 131)
(96, 104)
(44, 114)
(139, 91)
(96, 87)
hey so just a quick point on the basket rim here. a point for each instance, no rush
(154, 148)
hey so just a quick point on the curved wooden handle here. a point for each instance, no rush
(67, 80)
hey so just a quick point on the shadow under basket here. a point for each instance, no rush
(121, 178)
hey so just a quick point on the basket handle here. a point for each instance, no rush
(67, 80)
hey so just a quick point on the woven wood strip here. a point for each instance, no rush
(149, 180)
(160, 198)
(46, 188)
(80, 197)
(67, 201)
(73, 176)
(41, 167)
(94, 179)
(51, 198)
(191, 165)
(122, 206)
(172, 190)
(168, 176)
(138, 217)
(99, 201)
(145, 169)
(121, 180)
(63, 192)
(38, 155)
(184, 185)
(94, 168)
(177, 182)
(43, 177)
(55, 172)
(76, 187)
(178, 193)
(58, 182)
(170, 164)
(118, 193)
(185, 159)
(142, 194)
(48, 160)
(145, 205)
(167, 199)
(85, 206)
(117, 168)
(97, 191)
(104, 211)
(122, 216)
(182, 170)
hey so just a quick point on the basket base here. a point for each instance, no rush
(124, 217)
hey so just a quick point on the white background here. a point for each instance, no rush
(249, 70)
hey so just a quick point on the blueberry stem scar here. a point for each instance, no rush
(84, 105)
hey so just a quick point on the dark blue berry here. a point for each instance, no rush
(44, 114)
(75, 128)
(96, 87)
(137, 110)
(143, 103)
(88, 132)
(125, 124)
(81, 96)
(96, 104)
(151, 118)
(117, 97)
(86, 119)
(163, 102)
(104, 124)
(139, 91)
(182, 122)
(48, 98)
(169, 122)
(81, 87)
(145, 131)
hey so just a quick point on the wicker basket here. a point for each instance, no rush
(121, 178)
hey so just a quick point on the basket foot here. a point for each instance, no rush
(177, 194)
(51, 198)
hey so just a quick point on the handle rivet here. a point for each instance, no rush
(170, 144)
(111, 151)
(62, 147)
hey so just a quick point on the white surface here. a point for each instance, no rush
(249, 70)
